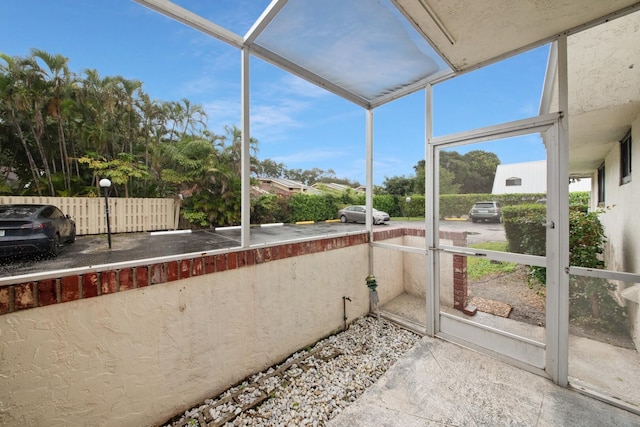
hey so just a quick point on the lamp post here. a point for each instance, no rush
(408, 200)
(106, 184)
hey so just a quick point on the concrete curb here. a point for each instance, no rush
(238, 227)
(160, 233)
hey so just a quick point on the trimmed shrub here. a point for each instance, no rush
(312, 207)
(579, 198)
(270, 208)
(457, 205)
(386, 203)
(525, 229)
(591, 299)
(415, 208)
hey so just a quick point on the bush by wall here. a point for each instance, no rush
(270, 208)
(579, 198)
(591, 299)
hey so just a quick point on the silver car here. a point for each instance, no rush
(358, 214)
(486, 211)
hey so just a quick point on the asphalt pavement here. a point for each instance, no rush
(94, 250)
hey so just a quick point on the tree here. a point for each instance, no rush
(119, 170)
(269, 168)
(232, 153)
(310, 176)
(23, 101)
(11, 102)
(398, 185)
(419, 182)
(481, 171)
(59, 83)
(473, 172)
(447, 182)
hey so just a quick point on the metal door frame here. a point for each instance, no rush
(528, 354)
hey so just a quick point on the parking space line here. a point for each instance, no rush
(222, 236)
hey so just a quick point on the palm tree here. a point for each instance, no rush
(127, 93)
(192, 115)
(59, 84)
(11, 102)
(22, 93)
(233, 152)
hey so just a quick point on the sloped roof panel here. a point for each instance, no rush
(365, 47)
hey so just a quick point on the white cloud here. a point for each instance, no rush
(222, 112)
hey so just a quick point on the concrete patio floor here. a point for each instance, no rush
(443, 384)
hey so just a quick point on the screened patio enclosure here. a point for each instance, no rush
(371, 52)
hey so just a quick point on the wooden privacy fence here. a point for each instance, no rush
(126, 215)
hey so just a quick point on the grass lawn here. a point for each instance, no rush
(407, 218)
(478, 267)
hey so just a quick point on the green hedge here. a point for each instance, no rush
(591, 299)
(457, 205)
(525, 229)
(310, 207)
(270, 208)
(415, 208)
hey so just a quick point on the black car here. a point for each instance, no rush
(34, 229)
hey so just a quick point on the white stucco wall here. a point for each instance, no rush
(620, 220)
(388, 267)
(139, 357)
(415, 271)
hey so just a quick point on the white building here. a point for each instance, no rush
(604, 139)
(529, 177)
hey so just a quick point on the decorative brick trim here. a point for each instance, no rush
(185, 268)
(90, 286)
(25, 296)
(109, 282)
(459, 282)
(172, 271)
(142, 276)
(48, 292)
(126, 279)
(6, 299)
(70, 288)
(21, 296)
(158, 274)
(197, 267)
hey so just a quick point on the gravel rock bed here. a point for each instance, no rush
(311, 386)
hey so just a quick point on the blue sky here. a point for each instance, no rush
(295, 122)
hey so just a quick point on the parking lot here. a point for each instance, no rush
(94, 250)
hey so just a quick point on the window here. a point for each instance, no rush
(601, 184)
(625, 159)
(514, 181)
